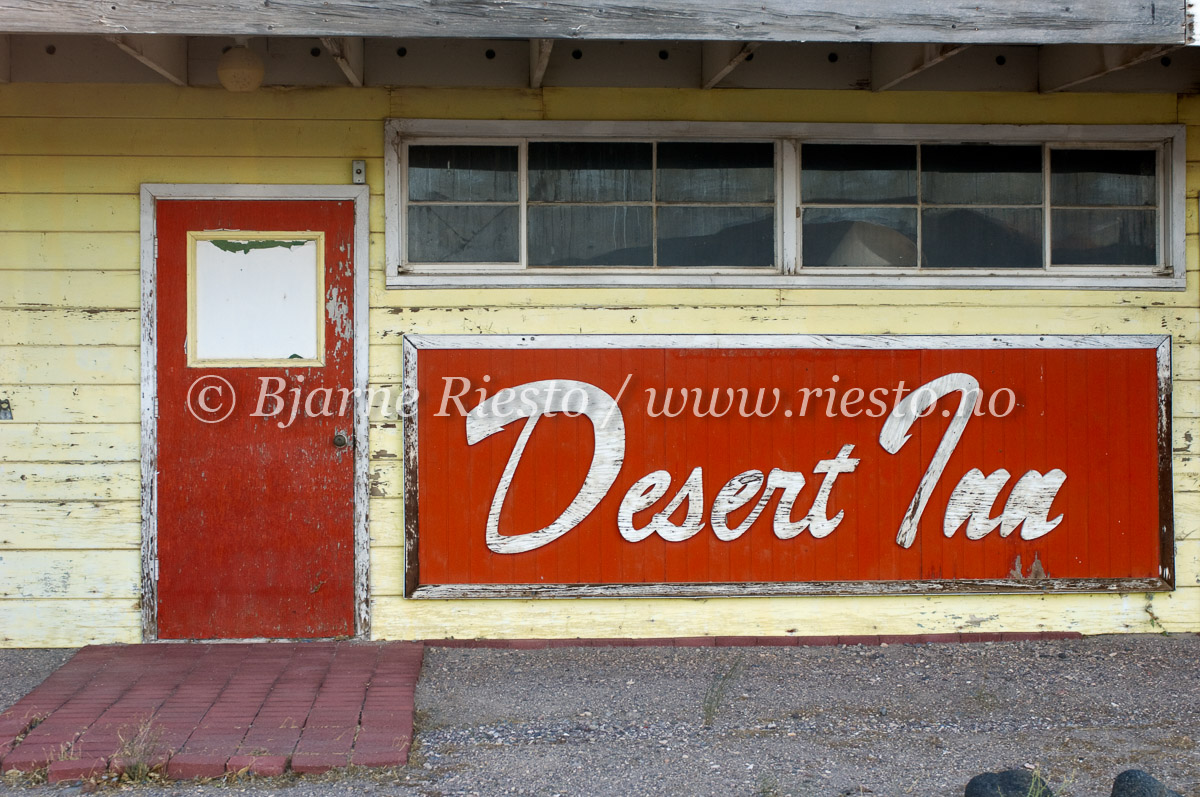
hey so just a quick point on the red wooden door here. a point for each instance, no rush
(255, 508)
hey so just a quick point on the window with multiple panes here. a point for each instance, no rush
(691, 206)
(978, 206)
(632, 204)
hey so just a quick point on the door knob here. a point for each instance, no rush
(341, 440)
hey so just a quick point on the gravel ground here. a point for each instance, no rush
(825, 722)
(21, 670)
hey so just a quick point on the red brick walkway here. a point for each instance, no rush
(201, 710)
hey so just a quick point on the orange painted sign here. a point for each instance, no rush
(656, 465)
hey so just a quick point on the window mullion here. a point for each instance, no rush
(920, 212)
(1162, 169)
(653, 204)
(523, 198)
(1047, 230)
(788, 197)
(402, 216)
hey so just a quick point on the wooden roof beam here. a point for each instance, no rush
(166, 55)
(979, 22)
(893, 63)
(347, 52)
(718, 59)
(539, 59)
(5, 58)
(1067, 66)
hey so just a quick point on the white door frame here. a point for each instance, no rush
(150, 194)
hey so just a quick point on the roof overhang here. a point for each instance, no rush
(1144, 22)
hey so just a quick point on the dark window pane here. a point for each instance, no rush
(1103, 238)
(585, 171)
(462, 174)
(580, 235)
(982, 237)
(860, 237)
(713, 172)
(981, 174)
(1102, 177)
(852, 173)
(715, 236)
(463, 234)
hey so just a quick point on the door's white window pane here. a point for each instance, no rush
(257, 299)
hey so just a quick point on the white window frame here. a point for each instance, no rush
(1168, 274)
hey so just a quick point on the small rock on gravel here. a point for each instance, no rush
(1136, 783)
(1009, 783)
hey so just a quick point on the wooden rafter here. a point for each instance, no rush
(347, 52)
(166, 55)
(539, 59)
(718, 59)
(893, 63)
(1066, 67)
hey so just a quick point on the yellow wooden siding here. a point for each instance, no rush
(396, 618)
(67, 251)
(69, 481)
(69, 296)
(87, 404)
(93, 290)
(782, 105)
(93, 174)
(69, 623)
(69, 442)
(32, 326)
(68, 212)
(167, 102)
(215, 138)
(69, 365)
(69, 574)
(69, 525)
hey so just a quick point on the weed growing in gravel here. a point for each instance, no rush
(716, 690)
(1066, 785)
(15, 777)
(33, 723)
(985, 700)
(1038, 787)
(767, 786)
(1149, 609)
